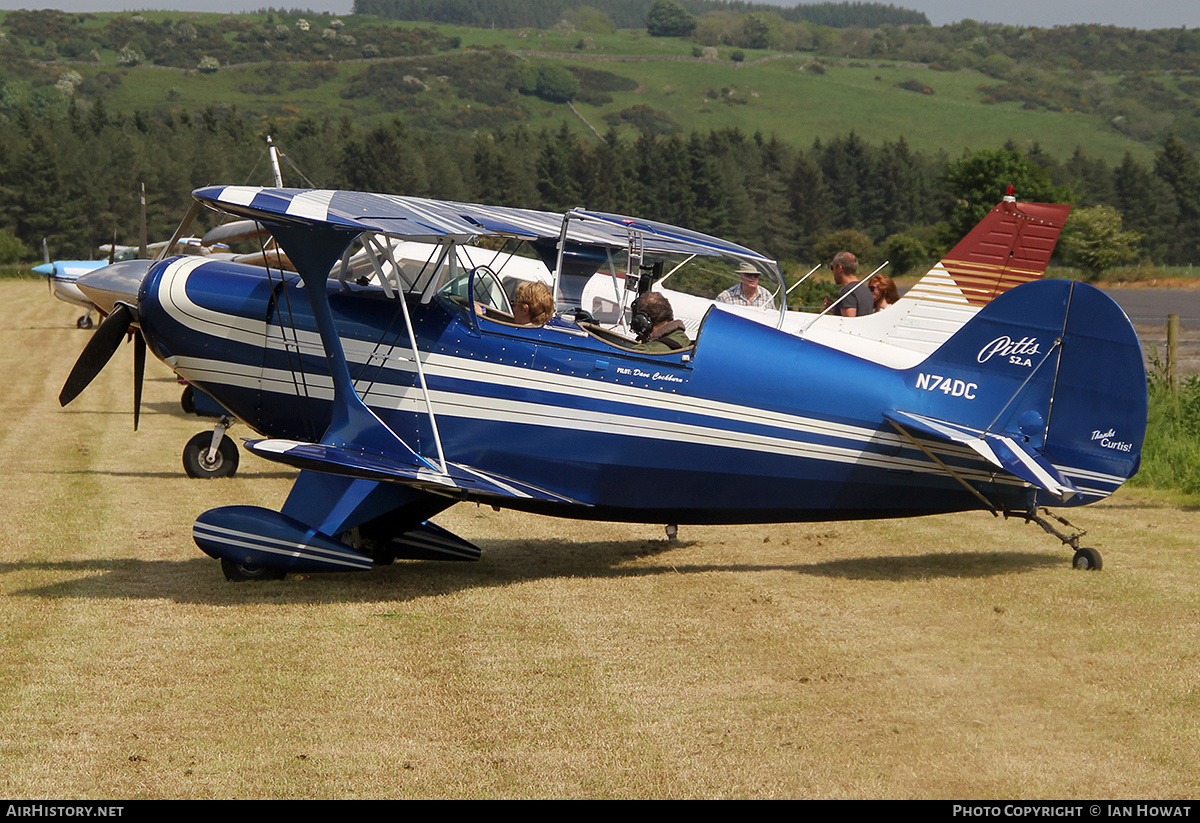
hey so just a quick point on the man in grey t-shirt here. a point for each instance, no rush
(845, 273)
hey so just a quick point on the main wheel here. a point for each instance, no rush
(1088, 560)
(237, 573)
(84, 322)
(197, 464)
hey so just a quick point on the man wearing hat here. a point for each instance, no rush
(747, 292)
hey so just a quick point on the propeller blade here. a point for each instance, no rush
(139, 373)
(97, 352)
(183, 226)
(142, 253)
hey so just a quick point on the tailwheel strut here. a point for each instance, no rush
(1086, 558)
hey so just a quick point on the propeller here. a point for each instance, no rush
(47, 265)
(117, 285)
(99, 351)
(142, 252)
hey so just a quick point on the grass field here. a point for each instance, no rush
(947, 657)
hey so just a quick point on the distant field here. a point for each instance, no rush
(947, 657)
(800, 106)
(781, 97)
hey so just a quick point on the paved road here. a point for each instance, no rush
(1153, 305)
(1148, 309)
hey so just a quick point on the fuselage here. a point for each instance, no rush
(751, 425)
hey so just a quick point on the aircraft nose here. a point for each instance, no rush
(44, 269)
(118, 282)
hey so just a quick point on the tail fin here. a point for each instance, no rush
(1010, 246)
(1050, 378)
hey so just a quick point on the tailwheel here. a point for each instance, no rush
(84, 322)
(237, 573)
(1085, 558)
(1088, 560)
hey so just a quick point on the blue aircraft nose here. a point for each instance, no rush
(44, 269)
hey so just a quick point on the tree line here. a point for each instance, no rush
(73, 180)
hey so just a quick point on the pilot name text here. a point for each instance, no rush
(670, 378)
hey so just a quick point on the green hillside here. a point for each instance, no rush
(774, 92)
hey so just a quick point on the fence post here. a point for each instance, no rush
(1172, 350)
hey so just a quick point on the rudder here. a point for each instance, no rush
(1056, 367)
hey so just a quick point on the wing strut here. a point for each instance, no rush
(412, 341)
(352, 423)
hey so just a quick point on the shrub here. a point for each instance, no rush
(12, 249)
(644, 118)
(129, 56)
(667, 18)
(915, 85)
(812, 293)
(905, 253)
(550, 83)
(1171, 451)
(849, 240)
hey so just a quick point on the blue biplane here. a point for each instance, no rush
(400, 393)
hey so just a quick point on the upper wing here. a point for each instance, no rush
(417, 218)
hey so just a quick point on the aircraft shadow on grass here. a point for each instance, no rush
(507, 562)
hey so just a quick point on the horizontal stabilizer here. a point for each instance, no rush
(1008, 452)
(457, 481)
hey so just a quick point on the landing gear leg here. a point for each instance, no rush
(1085, 558)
